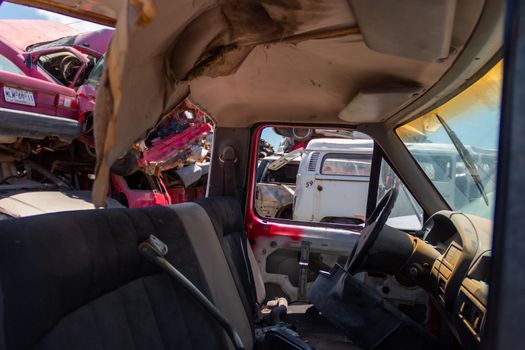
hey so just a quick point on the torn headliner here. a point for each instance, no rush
(245, 62)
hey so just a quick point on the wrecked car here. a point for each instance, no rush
(39, 99)
(69, 60)
(276, 186)
(177, 147)
(403, 73)
(30, 104)
(138, 190)
(31, 107)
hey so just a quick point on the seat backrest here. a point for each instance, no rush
(228, 221)
(75, 280)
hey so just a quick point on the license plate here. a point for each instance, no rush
(19, 96)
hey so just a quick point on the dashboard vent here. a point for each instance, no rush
(313, 161)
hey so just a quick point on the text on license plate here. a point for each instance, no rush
(19, 96)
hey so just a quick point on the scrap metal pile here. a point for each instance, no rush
(49, 88)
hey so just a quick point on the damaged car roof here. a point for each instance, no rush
(335, 62)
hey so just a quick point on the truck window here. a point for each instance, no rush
(313, 175)
(323, 176)
(287, 174)
(406, 214)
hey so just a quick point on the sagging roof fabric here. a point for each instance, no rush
(317, 61)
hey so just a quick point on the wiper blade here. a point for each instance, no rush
(466, 157)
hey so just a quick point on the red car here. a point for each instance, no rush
(35, 108)
(139, 190)
(66, 61)
(38, 84)
(69, 60)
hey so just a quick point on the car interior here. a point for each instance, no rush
(404, 259)
(63, 66)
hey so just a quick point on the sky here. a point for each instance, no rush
(14, 11)
(271, 137)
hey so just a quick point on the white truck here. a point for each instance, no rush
(332, 181)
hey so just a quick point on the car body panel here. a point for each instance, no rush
(50, 99)
(166, 152)
(18, 58)
(21, 33)
(272, 198)
(139, 198)
(35, 108)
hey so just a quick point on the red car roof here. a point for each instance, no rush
(22, 33)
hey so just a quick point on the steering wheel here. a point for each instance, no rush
(373, 226)
(69, 67)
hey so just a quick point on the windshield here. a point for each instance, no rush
(96, 73)
(66, 41)
(456, 145)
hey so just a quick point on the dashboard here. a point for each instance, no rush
(459, 276)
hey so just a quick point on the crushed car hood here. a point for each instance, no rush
(329, 61)
(21, 33)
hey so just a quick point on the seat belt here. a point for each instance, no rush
(154, 250)
(304, 262)
(228, 159)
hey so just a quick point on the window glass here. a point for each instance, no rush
(346, 164)
(8, 66)
(456, 145)
(66, 41)
(287, 174)
(406, 214)
(313, 175)
(96, 73)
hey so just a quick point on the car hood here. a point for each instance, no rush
(21, 33)
(42, 202)
(356, 62)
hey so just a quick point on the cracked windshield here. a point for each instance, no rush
(456, 145)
